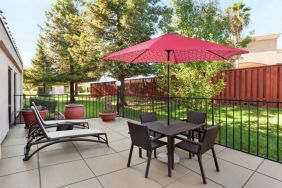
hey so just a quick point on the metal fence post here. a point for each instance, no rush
(212, 101)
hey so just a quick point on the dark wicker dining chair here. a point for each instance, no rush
(147, 117)
(199, 148)
(140, 137)
(196, 118)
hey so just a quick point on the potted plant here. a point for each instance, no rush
(109, 114)
(74, 111)
(28, 116)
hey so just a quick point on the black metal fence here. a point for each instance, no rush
(55, 104)
(250, 126)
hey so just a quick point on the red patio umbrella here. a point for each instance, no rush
(172, 48)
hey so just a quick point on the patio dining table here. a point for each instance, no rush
(170, 131)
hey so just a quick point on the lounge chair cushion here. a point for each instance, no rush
(74, 133)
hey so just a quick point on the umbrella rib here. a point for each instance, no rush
(138, 56)
(174, 56)
(216, 54)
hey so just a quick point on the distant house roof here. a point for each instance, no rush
(250, 64)
(267, 37)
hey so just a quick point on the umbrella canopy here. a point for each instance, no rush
(171, 48)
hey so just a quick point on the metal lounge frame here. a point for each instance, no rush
(41, 136)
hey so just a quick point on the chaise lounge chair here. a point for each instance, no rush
(53, 123)
(41, 136)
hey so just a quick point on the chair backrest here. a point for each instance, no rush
(38, 121)
(36, 109)
(139, 135)
(209, 137)
(196, 117)
(148, 117)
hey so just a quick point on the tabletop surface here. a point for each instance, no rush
(175, 127)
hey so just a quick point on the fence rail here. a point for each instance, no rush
(251, 126)
(55, 104)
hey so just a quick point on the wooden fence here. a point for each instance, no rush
(258, 83)
(134, 87)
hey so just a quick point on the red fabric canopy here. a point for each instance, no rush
(182, 49)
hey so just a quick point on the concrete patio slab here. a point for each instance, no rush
(260, 181)
(64, 174)
(27, 179)
(248, 161)
(271, 169)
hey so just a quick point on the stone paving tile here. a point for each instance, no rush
(90, 183)
(64, 174)
(158, 172)
(193, 180)
(230, 175)
(16, 164)
(272, 169)
(58, 156)
(106, 163)
(27, 179)
(260, 181)
(127, 178)
(240, 158)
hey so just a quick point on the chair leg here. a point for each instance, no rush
(130, 155)
(193, 138)
(199, 137)
(155, 153)
(201, 168)
(140, 152)
(215, 160)
(148, 163)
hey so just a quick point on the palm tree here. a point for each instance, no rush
(237, 17)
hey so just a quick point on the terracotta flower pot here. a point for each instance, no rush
(74, 111)
(108, 116)
(29, 117)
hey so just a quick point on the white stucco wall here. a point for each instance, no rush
(266, 57)
(9, 59)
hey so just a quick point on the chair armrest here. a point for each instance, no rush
(155, 138)
(190, 141)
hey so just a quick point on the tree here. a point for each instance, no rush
(42, 69)
(203, 20)
(238, 18)
(64, 30)
(119, 24)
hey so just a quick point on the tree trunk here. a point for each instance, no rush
(122, 92)
(76, 89)
(44, 89)
(72, 99)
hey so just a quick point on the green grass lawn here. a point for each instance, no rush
(256, 130)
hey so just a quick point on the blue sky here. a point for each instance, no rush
(24, 17)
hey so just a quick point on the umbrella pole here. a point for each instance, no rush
(168, 89)
(168, 95)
